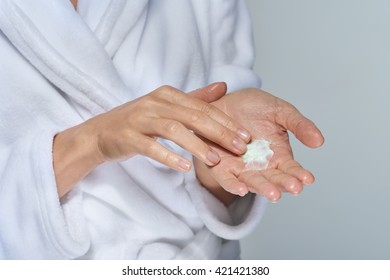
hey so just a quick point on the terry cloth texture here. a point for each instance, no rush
(58, 68)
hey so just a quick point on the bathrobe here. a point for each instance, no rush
(60, 67)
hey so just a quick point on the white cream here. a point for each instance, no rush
(258, 155)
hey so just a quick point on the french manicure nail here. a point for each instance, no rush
(242, 191)
(213, 157)
(239, 144)
(184, 165)
(213, 86)
(272, 197)
(244, 134)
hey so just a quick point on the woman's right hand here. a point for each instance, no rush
(133, 128)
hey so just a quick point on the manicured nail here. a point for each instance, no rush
(242, 191)
(239, 144)
(307, 180)
(213, 86)
(243, 134)
(213, 157)
(184, 165)
(272, 197)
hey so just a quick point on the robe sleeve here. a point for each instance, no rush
(232, 45)
(233, 222)
(34, 224)
(231, 57)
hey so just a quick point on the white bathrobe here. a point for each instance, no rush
(59, 67)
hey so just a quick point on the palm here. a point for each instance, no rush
(266, 117)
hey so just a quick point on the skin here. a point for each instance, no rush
(74, 3)
(132, 129)
(120, 134)
(266, 117)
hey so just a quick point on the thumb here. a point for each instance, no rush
(303, 128)
(211, 92)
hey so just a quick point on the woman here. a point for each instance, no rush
(87, 166)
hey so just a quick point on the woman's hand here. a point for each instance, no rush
(133, 128)
(266, 117)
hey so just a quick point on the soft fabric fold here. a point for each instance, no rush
(60, 67)
(33, 223)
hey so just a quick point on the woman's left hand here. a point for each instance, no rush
(265, 117)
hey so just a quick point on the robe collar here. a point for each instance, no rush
(71, 53)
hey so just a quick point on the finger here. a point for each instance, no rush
(211, 92)
(285, 182)
(178, 133)
(205, 126)
(293, 168)
(303, 129)
(154, 150)
(177, 97)
(230, 183)
(259, 184)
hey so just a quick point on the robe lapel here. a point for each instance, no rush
(59, 43)
(112, 20)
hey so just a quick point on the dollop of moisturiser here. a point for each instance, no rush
(258, 155)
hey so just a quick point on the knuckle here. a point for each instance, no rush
(150, 104)
(195, 116)
(229, 123)
(168, 93)
(150, 149)
(147, 102)
(172, 127)
(164, 156)
(159, 153)
(165, 90)
(207, 108)
(224, 133)
(293, 169)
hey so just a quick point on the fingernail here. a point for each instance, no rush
(307, 180)
(243, 134)
(213, 157)
(242, 191)
(239, 144)
(184, 165)
(213, 86)
(273, 197)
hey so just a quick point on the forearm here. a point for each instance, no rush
(132, 128)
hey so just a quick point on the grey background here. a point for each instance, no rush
(331, 59)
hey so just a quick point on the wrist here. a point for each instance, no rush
(75, 154)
